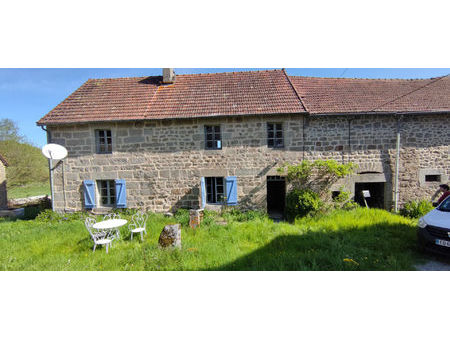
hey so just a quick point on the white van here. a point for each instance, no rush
(434, 229)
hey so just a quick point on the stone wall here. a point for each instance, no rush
(163, 161)
(3, 192)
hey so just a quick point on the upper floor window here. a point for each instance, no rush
(103, 141)
(213, 139)
(275, 135)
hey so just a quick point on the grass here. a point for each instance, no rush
(31, 189)
(343, 240)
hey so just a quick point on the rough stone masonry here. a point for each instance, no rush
(162, 161)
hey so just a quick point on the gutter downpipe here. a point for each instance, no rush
(50, 165)
(397, 165)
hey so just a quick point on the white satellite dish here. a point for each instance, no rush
(54, 151)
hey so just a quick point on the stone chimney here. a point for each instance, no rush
(168, 75)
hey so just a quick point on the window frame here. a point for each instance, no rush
(212, 185)
(276, 127)
(216, 136)
(110, 188)
(104, 135)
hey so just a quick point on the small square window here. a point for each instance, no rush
(275, 135)
(107, 193)
(213, 138)
(432, 178)
(103, 141)
(214, 189)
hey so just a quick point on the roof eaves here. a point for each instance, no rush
(170, 118)
(380, 113)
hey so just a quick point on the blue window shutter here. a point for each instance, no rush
(89, 194)
(203, 191)
(121, 194)
(231, 184)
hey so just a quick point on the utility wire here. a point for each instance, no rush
(343, 72)
(409, 93)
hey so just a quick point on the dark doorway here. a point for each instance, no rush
(376, 199)
(276, 196)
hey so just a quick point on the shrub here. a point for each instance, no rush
(343, 201)
(302, 202)
(238, 215)
(182, 217)
(209, 218)
(49, 216)
(416, 209)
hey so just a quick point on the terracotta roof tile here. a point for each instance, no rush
(339, 95)
(196, 95)
(245, 93)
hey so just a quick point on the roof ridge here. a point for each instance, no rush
(123, 78)
(233, 72)
(194, 74)
(368, 79)
(295, 90)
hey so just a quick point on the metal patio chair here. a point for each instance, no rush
(138, 224)
(113, 216)
(99, 237)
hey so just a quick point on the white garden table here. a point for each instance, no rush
(110, 225)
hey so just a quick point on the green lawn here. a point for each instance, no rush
(344, 240)
(32, 189)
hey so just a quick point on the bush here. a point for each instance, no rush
(49, 216)
(209, 218)
(416, 209)
(301, 203)
(238, 215)
(182, 217)
(343, 201)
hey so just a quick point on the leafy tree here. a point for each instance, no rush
(310, 184)
(26, 163)
(9, 131)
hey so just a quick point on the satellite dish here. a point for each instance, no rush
(54, 151)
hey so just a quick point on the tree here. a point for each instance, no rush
(9, 131)
(26, 163)
(310, 184)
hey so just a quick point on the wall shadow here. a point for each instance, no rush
(377, 247)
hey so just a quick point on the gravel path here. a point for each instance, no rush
(433, 265)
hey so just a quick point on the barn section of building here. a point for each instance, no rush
(158, 134)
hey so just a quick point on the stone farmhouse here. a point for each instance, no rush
(187, 141)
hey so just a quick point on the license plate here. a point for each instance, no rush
(442, 242)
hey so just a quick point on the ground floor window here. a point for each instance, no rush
(214, 189)
(107, 192)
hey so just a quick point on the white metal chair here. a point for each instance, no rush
(138, 224)
(99, 237)
(113, 216)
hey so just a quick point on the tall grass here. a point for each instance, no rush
(344, 240)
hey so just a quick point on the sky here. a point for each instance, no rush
(28, 94)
